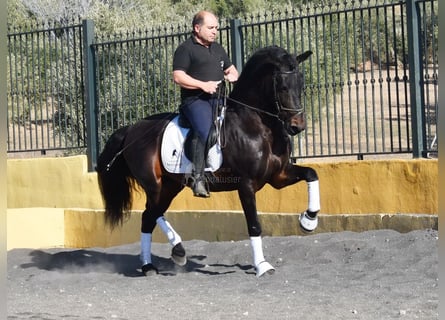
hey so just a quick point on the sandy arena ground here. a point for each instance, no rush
(371, 275)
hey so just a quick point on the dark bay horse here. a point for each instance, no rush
(263, 109)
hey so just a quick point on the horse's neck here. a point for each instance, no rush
(247, 115)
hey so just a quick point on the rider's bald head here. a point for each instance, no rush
(198, 18)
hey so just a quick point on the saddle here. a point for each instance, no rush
(211, 140)
(176, 146)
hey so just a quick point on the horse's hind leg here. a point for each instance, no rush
(178, 252)
(157, 203)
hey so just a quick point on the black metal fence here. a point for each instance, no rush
(46, 104)
(371, 84)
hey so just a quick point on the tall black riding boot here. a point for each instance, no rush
(198, 155)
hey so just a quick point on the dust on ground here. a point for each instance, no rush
(371, 275)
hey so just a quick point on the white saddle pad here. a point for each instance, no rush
(173, 155)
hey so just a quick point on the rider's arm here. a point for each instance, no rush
(185, 81)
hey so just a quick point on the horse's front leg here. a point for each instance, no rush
(248, 202)
(293, 174)
(309, 218)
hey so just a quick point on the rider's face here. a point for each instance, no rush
(207, 31)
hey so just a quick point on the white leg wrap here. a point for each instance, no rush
(313, 196)
(168, 230)
(145, 248)
(257, 247)
(261, 265)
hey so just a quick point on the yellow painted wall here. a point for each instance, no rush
(52, 183)
(35, 228)
(383, 186)
(55, 202)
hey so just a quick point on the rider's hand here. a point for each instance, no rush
(210, 86)
(230, 77)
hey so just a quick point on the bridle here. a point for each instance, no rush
(278, 104)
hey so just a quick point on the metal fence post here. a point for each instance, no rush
(416, 78)
(90, 93)
(235, 37)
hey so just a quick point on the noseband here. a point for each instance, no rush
(278, 103)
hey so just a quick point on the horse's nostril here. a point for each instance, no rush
(294, 130)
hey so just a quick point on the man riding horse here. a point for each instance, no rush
(199, 67)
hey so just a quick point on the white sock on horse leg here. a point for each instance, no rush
(313, 196)
(257, 248)
(172, 236)
(145, 248)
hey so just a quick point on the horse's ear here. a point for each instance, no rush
(303, 56)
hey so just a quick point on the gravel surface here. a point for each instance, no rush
(370, 275)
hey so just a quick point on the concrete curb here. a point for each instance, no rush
(83, 228)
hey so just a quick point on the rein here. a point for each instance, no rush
(254, 108)
(278, 103)
(109, 164)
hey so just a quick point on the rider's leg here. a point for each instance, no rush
(198, 159)
(199, 112)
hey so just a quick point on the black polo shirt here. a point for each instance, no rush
(199, 62)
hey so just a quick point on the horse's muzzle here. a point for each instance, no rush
(295, 125)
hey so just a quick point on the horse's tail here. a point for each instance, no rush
(115, 179)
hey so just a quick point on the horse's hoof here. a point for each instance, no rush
(149, 270)
(264, 267)
(178, 255)
(307, 223)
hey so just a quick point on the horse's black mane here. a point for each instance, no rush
(260, 67)
(269, 57)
